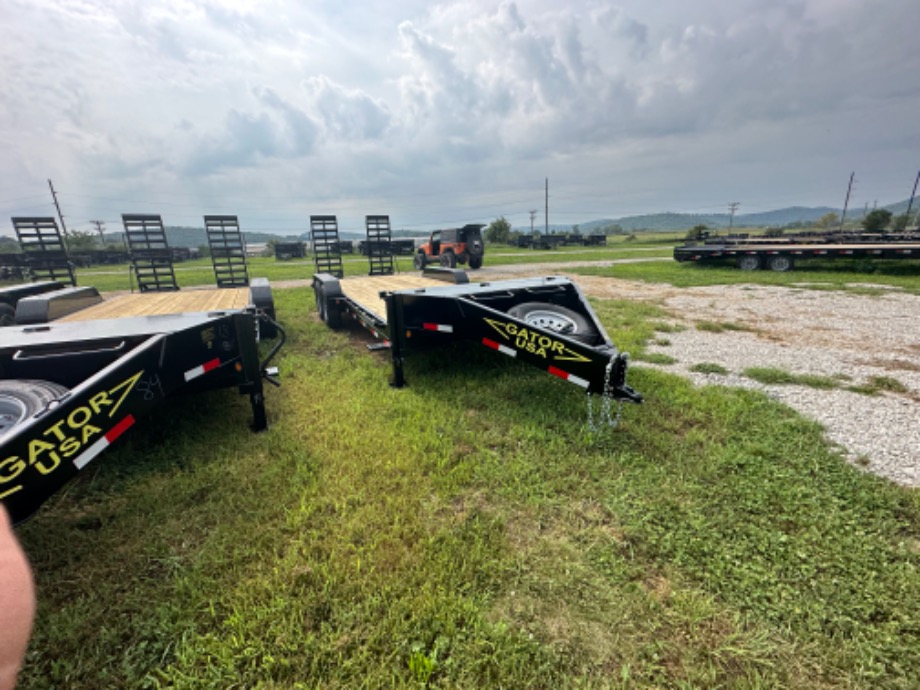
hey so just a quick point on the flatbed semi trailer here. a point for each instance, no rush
(78, 371)
(546, 322)
(782, 256)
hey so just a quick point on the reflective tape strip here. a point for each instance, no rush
(443, 328)
(86, 456)
(202, 370)
(566, 376)
(498, 346)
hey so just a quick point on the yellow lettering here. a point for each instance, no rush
(98, 400)
(45, 469)
(37, 447)
(558, 347)
(89, 431)
(69, 447)
(56, 430)
(10, 468)
(79, 417)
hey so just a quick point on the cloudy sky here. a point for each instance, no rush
(442, 113)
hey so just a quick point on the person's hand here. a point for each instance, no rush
(17, 604)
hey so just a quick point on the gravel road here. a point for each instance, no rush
(856, 337)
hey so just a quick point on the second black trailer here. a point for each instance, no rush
(546, 322)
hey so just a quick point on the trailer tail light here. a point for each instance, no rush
(504, 349)
(571, 378)
(202, 369)
(440, 327)
(86, 456)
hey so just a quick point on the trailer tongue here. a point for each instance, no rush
(546, 322)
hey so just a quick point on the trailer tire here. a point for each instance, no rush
(7, 315)
(420, 261)
(23, 398)
(475, 262)
(320, 302)
(554, 318)
(780, 263)
(749, 262)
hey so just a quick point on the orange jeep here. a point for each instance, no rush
(452, 247)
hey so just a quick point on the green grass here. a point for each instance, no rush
(772, 376)
(827, 275)
(467, 532)
(709, 368)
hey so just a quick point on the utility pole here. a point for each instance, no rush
(546, 203)
(910, 203)
(533, 214)
(58, 207)
(846, 202)
(100, 224)
(732, 207)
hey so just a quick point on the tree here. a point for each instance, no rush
(697, 232)
(81, 240)
(899, 222)
(828, 220)
(499, 231)
(877, 220)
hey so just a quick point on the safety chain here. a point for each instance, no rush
(604, 417)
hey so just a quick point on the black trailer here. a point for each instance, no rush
(546, 322)
(782, 256)
(78, 371)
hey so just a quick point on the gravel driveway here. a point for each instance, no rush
(857, 338)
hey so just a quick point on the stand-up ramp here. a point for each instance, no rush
(44, 250)
(379, 245)
(228, 253)
(150, 253)
(324, 231)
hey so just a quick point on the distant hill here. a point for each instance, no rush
(671, 222)
(196, 237)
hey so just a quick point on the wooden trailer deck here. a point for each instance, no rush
(158, 303)
(365, 290)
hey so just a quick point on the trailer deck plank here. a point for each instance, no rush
(159, 303)
(365, 290)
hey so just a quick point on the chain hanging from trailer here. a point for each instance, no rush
(324, 232)
(228, 252)
(44, 250)
(150, 253)
(379, 245)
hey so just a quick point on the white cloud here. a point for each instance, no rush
(406, 101)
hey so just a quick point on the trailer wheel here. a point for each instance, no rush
(22, 398)
(420, 261)
(7, 315)
(554, 318)
(327, 309)
(749, 262)
(475, 262)
(780, 263)
(320, 303)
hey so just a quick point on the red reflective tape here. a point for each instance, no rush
(430, 326)
(119, 428)
(490, 343)
(213, 364)
(555, 371)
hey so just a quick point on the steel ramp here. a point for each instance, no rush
(44, 250)
(379, 245)
(228, 252)
(151, 256)
(324, 232)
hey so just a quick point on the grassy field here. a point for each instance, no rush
(469, 532)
